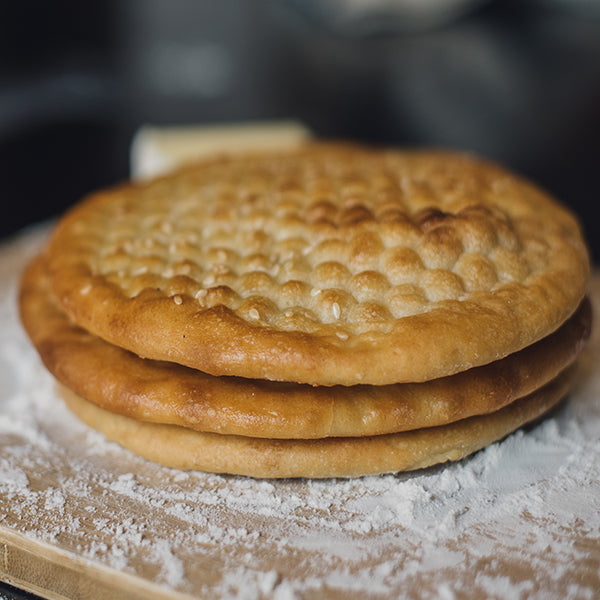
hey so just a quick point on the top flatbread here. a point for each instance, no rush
(162, 392)
(327, 265)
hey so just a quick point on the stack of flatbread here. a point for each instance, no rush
(327, 311)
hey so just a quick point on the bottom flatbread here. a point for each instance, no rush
(183, 448)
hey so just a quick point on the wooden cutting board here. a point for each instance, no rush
(82, 518)
(52, 573)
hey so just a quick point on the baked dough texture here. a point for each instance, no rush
(327, 265)
(161, 392)
(327, 311)
(183, 448)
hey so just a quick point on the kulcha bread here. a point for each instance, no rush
(326, 265)
(184, 448)
(162, 392)
(330, 310)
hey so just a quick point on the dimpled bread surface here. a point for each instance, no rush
(332, 264)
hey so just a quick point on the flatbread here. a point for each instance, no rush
(184, 448)
(327, 265)
(121, 382)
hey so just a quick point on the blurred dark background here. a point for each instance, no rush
(517, 81)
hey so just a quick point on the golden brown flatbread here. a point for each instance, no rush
(184, 448)
(161, 392)
(327, 265)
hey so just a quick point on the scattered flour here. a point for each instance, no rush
(520, 519)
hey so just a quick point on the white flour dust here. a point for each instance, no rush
(520, 519)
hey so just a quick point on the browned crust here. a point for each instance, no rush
(121, 382)
(183, 448)
(444, 337)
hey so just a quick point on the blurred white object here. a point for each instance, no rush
(156, 150)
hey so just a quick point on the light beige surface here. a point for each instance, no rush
(147, 390)
(330, 265)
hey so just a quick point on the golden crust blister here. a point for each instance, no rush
(332, 310)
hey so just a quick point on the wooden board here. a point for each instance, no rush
(82, 518)
(52, 573)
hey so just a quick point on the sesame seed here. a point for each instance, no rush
(177, 299)
(254, 314)
(315, 292)
(336, 310)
